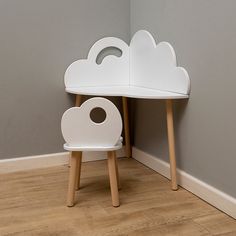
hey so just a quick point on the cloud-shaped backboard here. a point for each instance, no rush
(79, 130)
(142, 64)
(111, 72)
(154, 66)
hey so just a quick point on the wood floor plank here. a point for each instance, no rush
(33, 203)
(217, 224)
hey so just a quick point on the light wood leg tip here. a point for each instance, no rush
(128, 155)
(70, 205)
(175, 188)
(116, 205)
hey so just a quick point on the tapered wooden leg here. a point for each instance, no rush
(72, 179)
(117, 175)
(126, 126)
(78, 172)
(171, 141)
(78, 100)
(113, 178)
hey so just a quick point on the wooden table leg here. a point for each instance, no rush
(72, 179)
(113, 178)
(78, 173)
(78, 100)
(126, 127)
(171, 141)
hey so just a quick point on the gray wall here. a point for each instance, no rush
(38, 40)
(203, 34)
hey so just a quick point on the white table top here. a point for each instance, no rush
(144, 70)
(126, 91)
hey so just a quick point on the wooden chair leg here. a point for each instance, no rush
(113, 178)
(171, 141)
(78, 101)
(72, 179)
(126, 127)
(78, 172)
(117, 175)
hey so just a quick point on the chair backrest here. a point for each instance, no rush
(78, 129)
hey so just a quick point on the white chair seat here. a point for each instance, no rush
(94, 148)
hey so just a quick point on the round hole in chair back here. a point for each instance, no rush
(98, 115)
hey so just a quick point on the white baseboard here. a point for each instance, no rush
(48, 160)
(208, 193)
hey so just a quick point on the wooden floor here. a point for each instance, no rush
(33, 203)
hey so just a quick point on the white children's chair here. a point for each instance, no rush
(81, 133)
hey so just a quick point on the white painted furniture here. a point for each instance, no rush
(81, 133)
(144, 70)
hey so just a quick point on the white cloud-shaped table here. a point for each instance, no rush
(144, 70)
